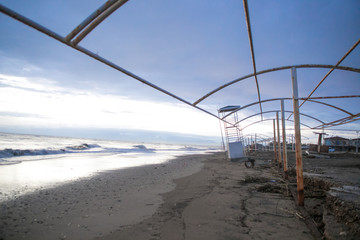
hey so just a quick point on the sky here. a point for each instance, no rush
(188, 48)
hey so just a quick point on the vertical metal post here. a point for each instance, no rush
(266, 149)
(278, 137)
(255, 147)
(357, 141)
(284, 138)
(299, 165)
(251, 146)
(274, 145)
(319, 143)
(222, 136)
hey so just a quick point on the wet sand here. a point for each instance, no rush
(213, 199)
(94, 206)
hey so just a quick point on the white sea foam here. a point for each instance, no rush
(29, 162)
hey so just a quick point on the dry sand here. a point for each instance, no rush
(223, 200)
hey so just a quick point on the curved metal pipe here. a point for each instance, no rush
(330, 105)
(89, 19)
(316, 119)
(98, 20)
(269, 120)
(311, 100)
(349, 119)
(61, 39)
(273, 70)
(247, 17)
(331, 70)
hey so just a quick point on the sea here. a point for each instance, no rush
(31, 162)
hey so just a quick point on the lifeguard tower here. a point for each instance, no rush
(233, 135)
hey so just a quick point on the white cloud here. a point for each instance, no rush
(60, 107)
(35, 84)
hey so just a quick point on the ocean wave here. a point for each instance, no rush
(143, 148)
(81, 148)
(9, 152)
(6, 162)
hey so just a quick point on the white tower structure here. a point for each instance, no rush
(233, 135)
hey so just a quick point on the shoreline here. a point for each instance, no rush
(94, 206)
(199, 197)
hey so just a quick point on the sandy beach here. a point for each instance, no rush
(192, 197)
(222, 201)
(94, 206)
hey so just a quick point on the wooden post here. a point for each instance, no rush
(299, 165)
(284, 139)
(278, 137)
(274, 143)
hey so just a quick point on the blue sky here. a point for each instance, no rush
(186, 47)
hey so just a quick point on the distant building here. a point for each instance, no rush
(340, 143)
(355, 141)
(337, 141)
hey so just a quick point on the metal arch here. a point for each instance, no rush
(310, 99)
(247, 16)
(331, 70)
(341, 121)
(110, 9)
(261, 137)
(316, 119)
(330, 105)
(270, 120)
(87, 52)
(89, 19)
(273, 70)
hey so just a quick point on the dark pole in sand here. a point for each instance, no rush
(284, 138)
(278, 137)
(274, 143)
(255, 143)
(299, 165)
(357, 141)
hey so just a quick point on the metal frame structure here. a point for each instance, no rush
(105, 10)
(270, 119)
(273, 70)
(92, 21)
(67, 41)
(275, 111)
(247, 16)
(351, 117)
(313, 99)
(232, 132)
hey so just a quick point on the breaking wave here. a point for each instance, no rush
(9, 152)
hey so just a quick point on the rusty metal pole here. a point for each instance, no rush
(274, 143)
(319, 142)
(299, 165)
(251, 146)
(255, 143)
(278, 137)
(284, 139)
